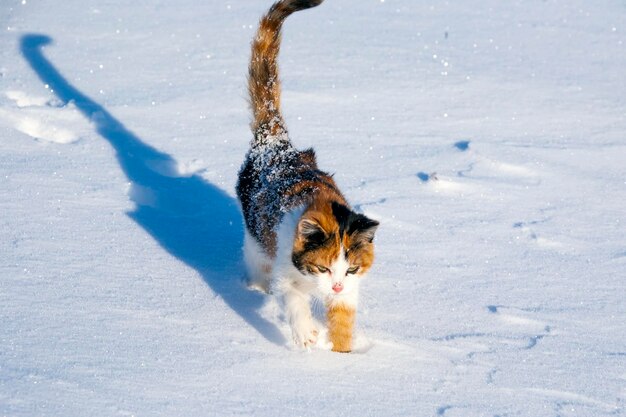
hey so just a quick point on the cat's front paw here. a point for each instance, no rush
(305, 334)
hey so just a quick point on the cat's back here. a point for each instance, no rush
(274, 179)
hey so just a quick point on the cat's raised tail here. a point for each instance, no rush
(263, 81)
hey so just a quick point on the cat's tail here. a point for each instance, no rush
(263, 81)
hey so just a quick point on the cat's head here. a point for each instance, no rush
(334, 245)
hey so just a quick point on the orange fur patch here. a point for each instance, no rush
(263, 80)
(340, 319)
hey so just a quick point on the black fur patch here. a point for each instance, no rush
(316, 240)
(296, 260)
(351, 222)
(343, 215)
(361, 224)
(304, 4)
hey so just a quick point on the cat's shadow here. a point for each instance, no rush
(192, 219)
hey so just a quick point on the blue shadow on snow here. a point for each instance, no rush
(462, 145)
(424, 177)
(192, 219)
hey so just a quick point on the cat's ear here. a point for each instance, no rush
(308, 227)
(310, 231)
(362, 229)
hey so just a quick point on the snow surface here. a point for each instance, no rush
(488, 137)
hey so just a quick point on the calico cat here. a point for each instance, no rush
(302, 239)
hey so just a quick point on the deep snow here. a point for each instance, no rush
(488, 137)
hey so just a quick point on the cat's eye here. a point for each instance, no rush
(322, 269)
(352, 270)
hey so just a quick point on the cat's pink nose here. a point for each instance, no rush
(338, 287)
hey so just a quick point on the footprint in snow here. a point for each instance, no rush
(529, 232)
(535, 330)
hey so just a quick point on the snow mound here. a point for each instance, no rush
(43, 119)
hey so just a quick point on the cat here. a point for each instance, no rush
(302, 239)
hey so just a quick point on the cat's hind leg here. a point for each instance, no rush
(258, 265)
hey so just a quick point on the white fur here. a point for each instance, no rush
(291, 287)
(258, 264)
(338, 274)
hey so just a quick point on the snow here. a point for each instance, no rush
(487, 137)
